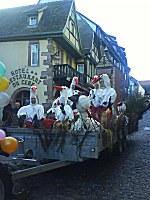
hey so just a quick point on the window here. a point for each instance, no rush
(58, 58)
(33, 54)
(33, 21)
(80, 68)
(22, 96)
(123, 69)
(125, 76)
(72, 28)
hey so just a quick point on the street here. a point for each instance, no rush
(122, 177)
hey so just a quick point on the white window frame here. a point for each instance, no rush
(33, 21)
(80, 68)
(125, 76)
(34, 54)
(72, 28)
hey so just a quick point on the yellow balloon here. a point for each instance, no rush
(4, 84)
(9, 144)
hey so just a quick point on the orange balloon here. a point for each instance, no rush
(9, 144)
(4, 83)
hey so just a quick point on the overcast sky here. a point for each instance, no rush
(127, 20)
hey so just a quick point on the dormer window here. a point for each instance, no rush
(33, 21)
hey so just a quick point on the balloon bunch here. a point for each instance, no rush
(4, 84)
(7, 144)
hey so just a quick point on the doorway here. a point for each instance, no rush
(21, 95)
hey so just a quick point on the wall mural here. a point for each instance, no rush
(23, 76)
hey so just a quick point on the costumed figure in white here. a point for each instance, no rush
(85, 121)
(52, 113)
(95, 99)
(71, 91)
(121, 107)
(64, 111)
(109, 93)
(30, 115)
(63, 93)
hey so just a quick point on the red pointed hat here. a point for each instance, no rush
(96, 79)
(79, 92)
(33, 88)
(119, 103)
(75, 81)
(59, 88)
(33, 93)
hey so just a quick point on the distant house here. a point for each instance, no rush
(136, 87)
(146, 85)
(141, 90)
(133, 88)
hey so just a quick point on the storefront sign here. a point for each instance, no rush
(23, 76)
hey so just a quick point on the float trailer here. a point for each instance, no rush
(40, 151)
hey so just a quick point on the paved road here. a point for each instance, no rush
(125, 177)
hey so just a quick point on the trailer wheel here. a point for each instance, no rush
(5, 183)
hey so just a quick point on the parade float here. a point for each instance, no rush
(28, 151)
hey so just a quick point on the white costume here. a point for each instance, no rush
(33, 109)
(63, 93)
(64, 111)
(95, 99)
(84, 122)
(71, 91)
(121, 107)
(30, 111)
(95, 95)
(109, 94)
(61, 102)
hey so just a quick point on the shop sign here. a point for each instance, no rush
(23, 76)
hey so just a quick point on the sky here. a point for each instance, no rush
(127, 20)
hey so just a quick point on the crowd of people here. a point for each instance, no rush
(32, 115)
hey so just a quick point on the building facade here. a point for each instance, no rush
(111, 58)
(36, 40)
(39, 45)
